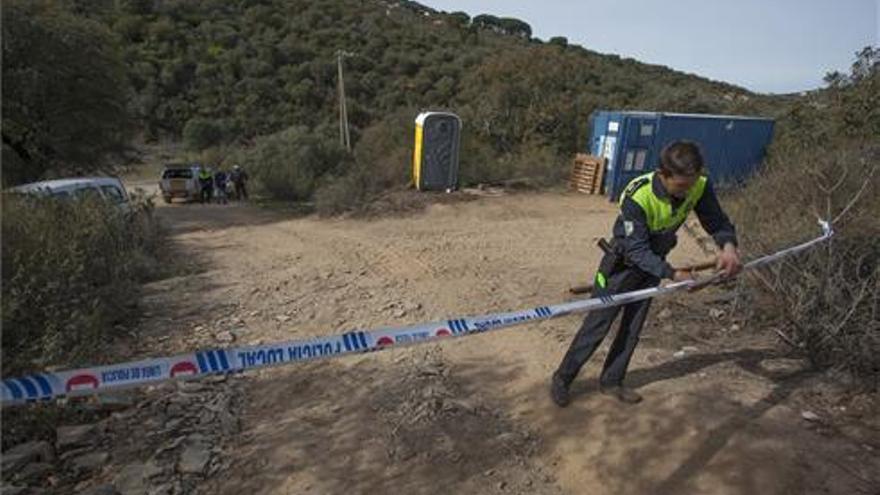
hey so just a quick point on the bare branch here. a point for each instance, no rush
(842, 178)
(788, 340)
(820, 179)
(857, 195)
(858, 300)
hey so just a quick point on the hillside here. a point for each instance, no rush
(221, 73)
(261, 66)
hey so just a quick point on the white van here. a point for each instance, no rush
(110, 189)
(180, 181)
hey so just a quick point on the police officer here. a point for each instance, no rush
(239, 179)
(652, 208)
(206, 182)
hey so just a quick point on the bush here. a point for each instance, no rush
(70, 273)
(385, 151)
(829, 296)
(289, 165)
(200, 134)
(383, 161)
(559, 41)
(48, 50)
(825, 163)
(534, 162)
(478, 162)
(341, 194)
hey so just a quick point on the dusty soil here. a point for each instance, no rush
(724, 400)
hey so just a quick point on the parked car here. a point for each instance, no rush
(110, 189)
(180, 181)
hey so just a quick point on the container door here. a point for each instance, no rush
(637, 152)
(607, 148)
(597, 126)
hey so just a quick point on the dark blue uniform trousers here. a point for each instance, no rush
(597, 323)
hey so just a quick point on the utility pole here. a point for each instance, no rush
(344, 137)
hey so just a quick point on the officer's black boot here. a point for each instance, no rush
(621, 393)
(559, 391)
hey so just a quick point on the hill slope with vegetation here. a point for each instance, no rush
(221, 74)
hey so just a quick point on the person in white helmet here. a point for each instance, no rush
(239, 179)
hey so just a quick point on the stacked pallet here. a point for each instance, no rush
(587, 174)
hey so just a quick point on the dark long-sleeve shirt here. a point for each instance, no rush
(647, 250)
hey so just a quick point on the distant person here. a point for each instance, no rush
(220, 183)
(652, 208)
(206, 182)
(239, 179)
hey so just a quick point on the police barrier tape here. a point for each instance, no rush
(44, 386)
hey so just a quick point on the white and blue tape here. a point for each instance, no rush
(45, 386)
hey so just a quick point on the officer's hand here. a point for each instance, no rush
(682, 275)
(728, 261)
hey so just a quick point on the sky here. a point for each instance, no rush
(766, 46)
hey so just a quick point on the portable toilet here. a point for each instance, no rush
(435, 158)
(733, 146)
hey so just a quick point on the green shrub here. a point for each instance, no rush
(49, 50)
(385, 151)
(478, 162)
(290, 164)
(827, 298)
(199, 134)
(383, 161)
(70, 273)
(341, 194)
(824, 163)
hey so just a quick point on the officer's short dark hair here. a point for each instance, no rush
(681, 158)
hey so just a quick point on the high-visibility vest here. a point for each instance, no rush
(658, 211)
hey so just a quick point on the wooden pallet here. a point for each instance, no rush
(587, 174)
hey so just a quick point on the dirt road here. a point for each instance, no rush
(722, 411)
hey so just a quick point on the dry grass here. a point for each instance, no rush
(829, 297)
(71, 272)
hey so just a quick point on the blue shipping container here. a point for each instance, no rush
(733, 146)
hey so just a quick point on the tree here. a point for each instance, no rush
(866, 64)
(503, 25)
(459, 18)
(559, 40)
(836, 79)
(488, 21)
(64, 92)
(199, 133)
(289, 164)
(515, 27)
